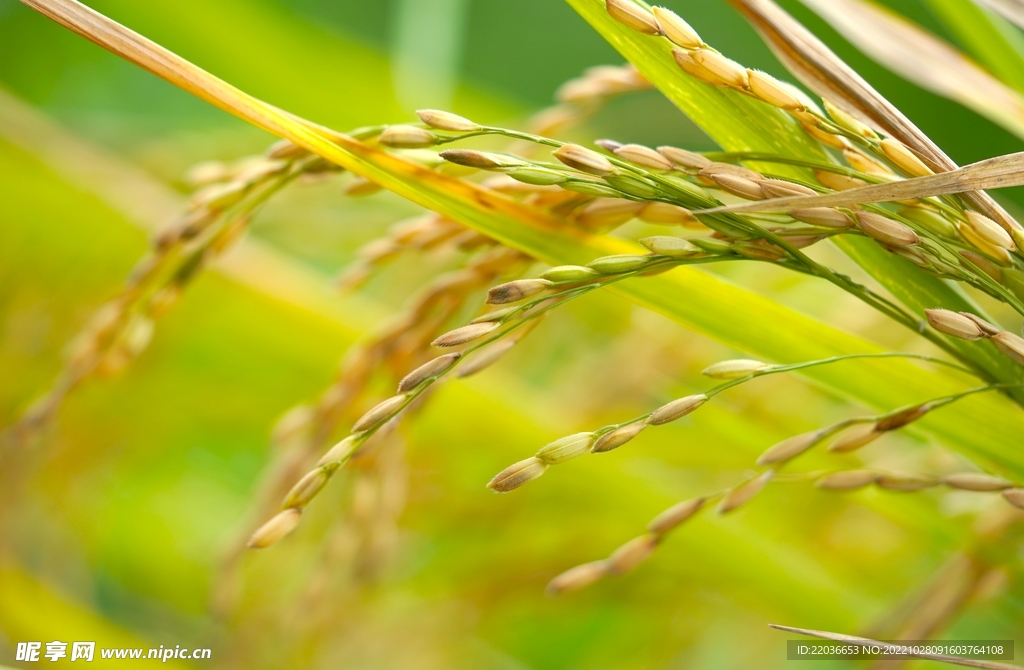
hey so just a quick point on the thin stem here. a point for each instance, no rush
(792, 367)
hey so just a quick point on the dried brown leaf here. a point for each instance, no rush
(1012, 10)
(923, 58)
(998, 172)
(821, 70)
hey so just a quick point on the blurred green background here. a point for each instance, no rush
(117, 529)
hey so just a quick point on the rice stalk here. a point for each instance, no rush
(1010, 9)
(637, 550)
(219, 214)
(737, 372)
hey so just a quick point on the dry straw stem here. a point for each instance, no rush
(1012, 10)
(867, 642)
(999, 172)
(924, 59)
(821, 70)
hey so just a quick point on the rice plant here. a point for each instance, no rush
(819, 179)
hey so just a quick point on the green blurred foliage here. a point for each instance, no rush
(131, 500)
